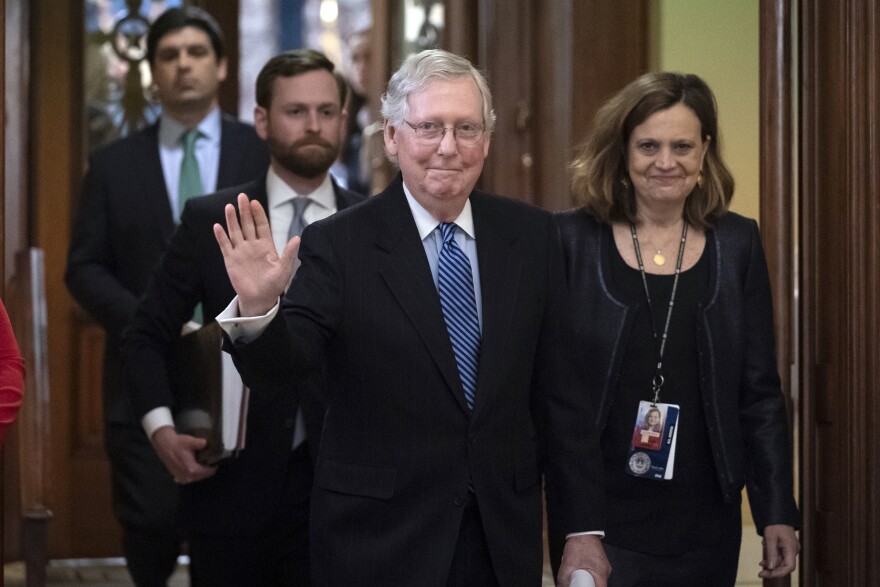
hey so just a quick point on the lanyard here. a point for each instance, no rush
(657, 382)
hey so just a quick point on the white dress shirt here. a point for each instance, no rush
(281, 211)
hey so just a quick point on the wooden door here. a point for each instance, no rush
(839, 242)
(548, 71)
(53, 171)
(83, 524)
(776, 186)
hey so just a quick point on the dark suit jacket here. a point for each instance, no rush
(737, 358)
(246, 492)
(123, 227)
(399, 447)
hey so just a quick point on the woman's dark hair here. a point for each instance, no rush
(599, 172)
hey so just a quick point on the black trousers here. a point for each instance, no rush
(715, 566)
(145, 502)
(275, 555)
(471, 563)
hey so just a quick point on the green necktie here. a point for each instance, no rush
(190, 183)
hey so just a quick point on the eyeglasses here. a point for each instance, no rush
(431, 133)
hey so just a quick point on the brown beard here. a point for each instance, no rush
(309, 164)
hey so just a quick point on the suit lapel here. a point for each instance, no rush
(148, 174)
(344, 198)
(408, 276)
(227, 172)
(500, 269)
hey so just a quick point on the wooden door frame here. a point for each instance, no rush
(15, 224)
(776, 184)
(776, 171)
(2, 226)
(839, 224)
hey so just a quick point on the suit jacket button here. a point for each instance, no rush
(459, 501)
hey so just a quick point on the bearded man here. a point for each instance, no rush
(247, 518)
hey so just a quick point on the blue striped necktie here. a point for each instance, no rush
(455, 284)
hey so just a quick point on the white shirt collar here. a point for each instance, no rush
(425, 223)
(170, 130)
(279, 193)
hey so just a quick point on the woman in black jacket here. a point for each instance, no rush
(672, 309)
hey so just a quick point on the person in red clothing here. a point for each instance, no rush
(11, 374)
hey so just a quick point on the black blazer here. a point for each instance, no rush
(746, 421)
(399, 447)
(245, 493)
(122, 229)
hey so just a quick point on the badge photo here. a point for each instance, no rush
(648, 432)
(652, 451)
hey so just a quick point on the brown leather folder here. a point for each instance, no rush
(209, 403)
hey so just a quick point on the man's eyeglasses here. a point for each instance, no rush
(431, 133)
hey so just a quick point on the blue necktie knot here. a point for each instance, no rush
(447, 231)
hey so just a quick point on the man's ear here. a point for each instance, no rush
(343, 122)
(390, 134)
(222, 66)
(261, 122)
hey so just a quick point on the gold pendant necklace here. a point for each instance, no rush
(659, 259)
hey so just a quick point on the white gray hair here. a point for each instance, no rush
(420, 69)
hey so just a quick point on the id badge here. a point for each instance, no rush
(652, 451)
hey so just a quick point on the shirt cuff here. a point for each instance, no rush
(248, 328)
(155, 419)
(599, 533)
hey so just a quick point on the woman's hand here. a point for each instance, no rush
(781, 548)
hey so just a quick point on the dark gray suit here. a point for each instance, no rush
(122, 230)
(399, 448)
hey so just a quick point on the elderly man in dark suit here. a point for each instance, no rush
(247, 518)
(130, 204)
(438, 311)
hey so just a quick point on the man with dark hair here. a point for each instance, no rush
(247, 518)
(176, 19)
(131, 200)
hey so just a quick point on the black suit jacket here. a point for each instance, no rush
(399, 447)
(123, 227)
(739, 381)
(247, 491)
